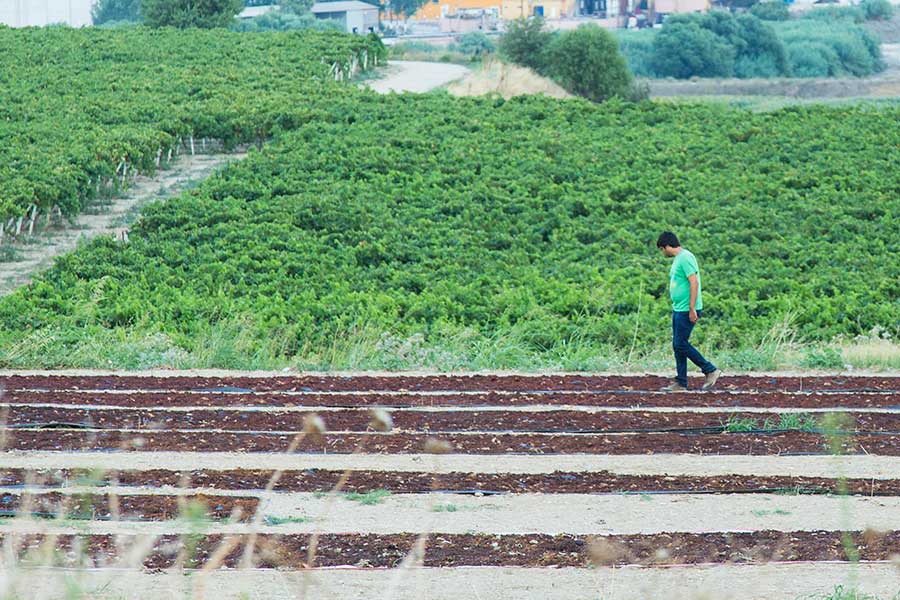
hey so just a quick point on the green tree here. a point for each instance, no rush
(524, 43)
(683, 49)
(106, 11)
(204, 14)
(586, 61)
(407, 8)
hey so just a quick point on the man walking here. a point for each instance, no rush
(687, 308)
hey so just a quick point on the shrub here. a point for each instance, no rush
(771, 11)
(717, 44)
(637, 48)
(475, 43)
(114, 11)
(204, 14)
(683, 49)
(813, 59)
(760, 52)
(286, 21)
(836, 13)
(524, 43)
(877, 10)
(856, 49)
(586, 61)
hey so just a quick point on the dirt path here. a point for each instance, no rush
(868, 467)
(413, 76)
(724, 582)
(37, 252)
(549, 514)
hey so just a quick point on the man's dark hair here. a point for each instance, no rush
(667, 238)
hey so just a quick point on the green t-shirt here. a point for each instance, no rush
(683, 265)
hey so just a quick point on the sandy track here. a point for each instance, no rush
(416, 76)
(877, 467)
(38, 252)
(724, 582)
(553, 514)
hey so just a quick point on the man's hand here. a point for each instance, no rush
(694, 316)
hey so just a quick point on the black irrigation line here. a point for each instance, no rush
(582, 391)
(712, 430)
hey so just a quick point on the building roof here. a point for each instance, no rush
(345, 6)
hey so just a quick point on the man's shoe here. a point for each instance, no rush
(675, 387)
(711, 379)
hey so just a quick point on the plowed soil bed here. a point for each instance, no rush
(513, 550)
(434, 382)
(315, 480)
(762, 399)
(137, 507)
(358, 420)
(407, 443)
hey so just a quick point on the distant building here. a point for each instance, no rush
(39, 13)
(357, 17)
(433, 10)
(548, 9)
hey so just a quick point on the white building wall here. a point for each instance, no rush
(38, 13)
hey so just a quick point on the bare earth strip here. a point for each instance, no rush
(414, 76)
(871, 467)
(552, 514)
(40, 250)
(720, 582)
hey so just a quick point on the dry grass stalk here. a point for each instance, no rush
(313, 425)
(215, 561)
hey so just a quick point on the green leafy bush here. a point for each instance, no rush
(717, 44)
(813, 59)
(586, 61)
(116, 11)
(684, 49)
(286, 21)
(524, 43)
(857, 51)
(204, 14)
(475, 43)
(836, 13)
(637, 48)
(877, 10)
(775, 10)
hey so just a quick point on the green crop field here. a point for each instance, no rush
(411, 231)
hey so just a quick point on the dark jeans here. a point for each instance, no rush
(681, 334)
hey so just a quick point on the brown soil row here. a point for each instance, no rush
(646, 443)
(141, 508)
(434, 382)
(359, 419)
(763, 399)
(532, 550)
(399, 482)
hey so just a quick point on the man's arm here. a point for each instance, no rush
(695, 286)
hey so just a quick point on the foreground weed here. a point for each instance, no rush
(848, 593)
(270, 520)
(766, 513)
(369, 498)
(737, 424)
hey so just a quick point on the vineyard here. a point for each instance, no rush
(405, 231)
(472, 220)
(100, 104)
